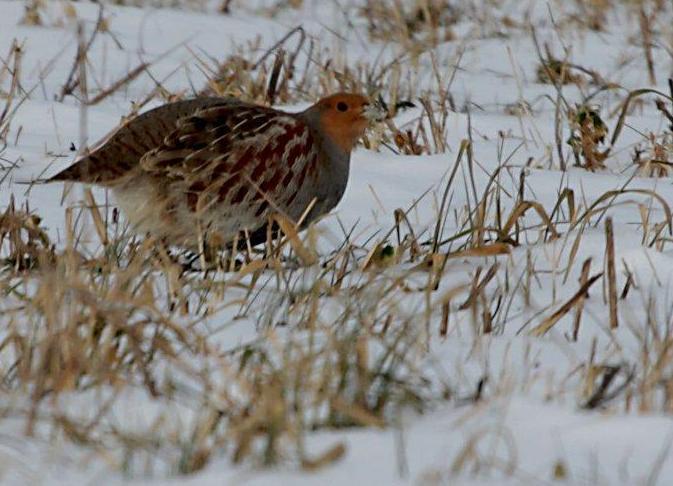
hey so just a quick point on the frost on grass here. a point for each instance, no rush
(490, 302)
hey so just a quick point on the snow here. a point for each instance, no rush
(530, 420)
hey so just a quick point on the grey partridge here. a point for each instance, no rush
(222, 167)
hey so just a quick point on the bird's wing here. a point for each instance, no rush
(119, 152)
(243, 155)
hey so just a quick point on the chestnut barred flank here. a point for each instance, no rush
(223, 167)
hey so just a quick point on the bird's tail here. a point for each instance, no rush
(80, 171)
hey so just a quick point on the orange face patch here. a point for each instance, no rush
(342, 118)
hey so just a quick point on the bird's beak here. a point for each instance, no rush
(375, 112)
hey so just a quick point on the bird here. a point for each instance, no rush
(223, 167)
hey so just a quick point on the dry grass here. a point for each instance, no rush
(10, 74)
(76, 322)
(128, 319)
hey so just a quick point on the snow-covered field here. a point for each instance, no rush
(438, 350)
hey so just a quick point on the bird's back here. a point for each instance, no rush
(120, 152)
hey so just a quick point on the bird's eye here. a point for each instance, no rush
(341, 106)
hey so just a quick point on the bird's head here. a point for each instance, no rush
(344, 117)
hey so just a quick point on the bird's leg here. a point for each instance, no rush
(190, 264)
(183, 258)
(167, 258)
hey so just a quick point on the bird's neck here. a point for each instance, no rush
(334, 171)
(337, 150)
